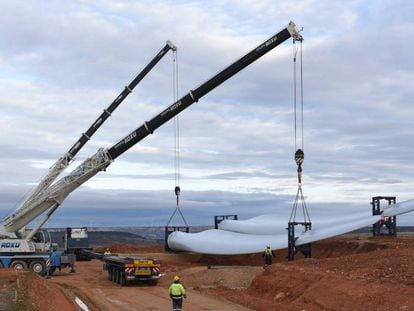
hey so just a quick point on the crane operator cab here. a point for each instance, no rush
(41, 240)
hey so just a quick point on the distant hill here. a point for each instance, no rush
(99, 237)
(138, 236)
(105, 238)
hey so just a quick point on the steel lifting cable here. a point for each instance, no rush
(301, 94)
(299, 150)
(177, 189)
(294, 90)
(176, 129)
(295, 51)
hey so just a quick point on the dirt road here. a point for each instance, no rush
(90, 283)
(348, 273)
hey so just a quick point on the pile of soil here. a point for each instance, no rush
(368, 274)
(25, 290)
(128, 248)
(8, 288)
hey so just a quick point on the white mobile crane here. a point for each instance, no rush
(20, 247)
(49, 197)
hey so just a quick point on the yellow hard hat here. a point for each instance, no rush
(176, 278)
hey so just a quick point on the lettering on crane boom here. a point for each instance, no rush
(271, 40)
(10, 245)
(267, 43)
(129, 137)
(171, 108)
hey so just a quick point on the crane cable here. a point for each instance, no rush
(177, 189)
(299, 147)
(176, 129)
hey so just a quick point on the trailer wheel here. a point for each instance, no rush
(110, 274)
(38, 266)
(118, 276)
(123, 279)
(114, 275)
(18, 265)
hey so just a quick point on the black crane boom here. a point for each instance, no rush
(193, 96)
(128, 89)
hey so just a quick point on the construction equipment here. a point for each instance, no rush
(122, 270)
(22, 248)
(49, 199)
(77, 242)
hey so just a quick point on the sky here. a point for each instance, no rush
(62, 63)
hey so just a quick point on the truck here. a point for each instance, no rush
(77, 242)
(34, 254)
(50, 196)
(123, 270)
(22, 248)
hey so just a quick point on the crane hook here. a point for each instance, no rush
(299, 157)
(177, 193)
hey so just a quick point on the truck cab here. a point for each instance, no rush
(77, 242)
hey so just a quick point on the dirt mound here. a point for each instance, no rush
(24, 290)
(292, 287)
(231, 260)
(8, 287)
(367, 274)
(36, 289)
(330, 248)
(128, 248)
(344, 246)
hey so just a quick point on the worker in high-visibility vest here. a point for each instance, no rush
(268, 255)
(177, 293)
(107, 252)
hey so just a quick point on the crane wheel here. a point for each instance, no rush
(38, 266)
(18, 265)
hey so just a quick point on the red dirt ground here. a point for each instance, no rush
(24, 290)
(345, 273)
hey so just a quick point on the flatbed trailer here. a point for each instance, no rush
(123, 270)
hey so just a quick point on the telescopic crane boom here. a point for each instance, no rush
(23, 213)
(54, 195)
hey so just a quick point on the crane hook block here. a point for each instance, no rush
(299, 156)
(177, 191)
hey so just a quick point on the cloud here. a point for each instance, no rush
(62, 65)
